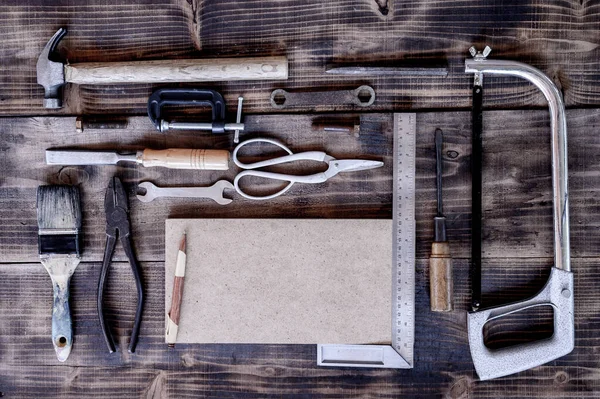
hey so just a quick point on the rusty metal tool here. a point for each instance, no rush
(100, 123)
(118, 225)
(389, 71)
(558, 291)
(362, 96)
(59, 241)
(441, 282)
(52, 75)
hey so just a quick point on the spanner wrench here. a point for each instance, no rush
(214, 192)
(362, 96)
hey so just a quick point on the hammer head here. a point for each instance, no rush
(50, 74)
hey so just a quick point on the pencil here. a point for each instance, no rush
(173, 316)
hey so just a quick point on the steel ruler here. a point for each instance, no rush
(403, 267)
(401, 353)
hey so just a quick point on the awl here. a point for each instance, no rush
(173, 158)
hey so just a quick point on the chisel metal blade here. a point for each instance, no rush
(78, 157)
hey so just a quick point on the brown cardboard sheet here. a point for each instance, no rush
(301, 281)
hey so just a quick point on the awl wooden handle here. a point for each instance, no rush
(190, 70)
(440, 278)
(183, 158)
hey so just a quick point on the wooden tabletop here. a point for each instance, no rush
(561, 39)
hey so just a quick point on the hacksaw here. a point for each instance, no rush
(400, 353)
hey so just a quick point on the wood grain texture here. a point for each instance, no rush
(441, 282)
(443, 367)
(562, 39)
(174, 71)
(517, 202)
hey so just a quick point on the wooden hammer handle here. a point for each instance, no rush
(190, 70)
(440, 277)
(182, 158)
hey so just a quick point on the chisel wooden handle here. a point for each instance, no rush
(190, 70)
(183, 158)
(440, 277)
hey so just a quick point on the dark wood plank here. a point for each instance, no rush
(517, 187)
(443, 367)
(25, 158)
(559, 38)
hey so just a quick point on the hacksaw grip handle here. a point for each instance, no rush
(558, 291)
(489, 363)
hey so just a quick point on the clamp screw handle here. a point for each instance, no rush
(236, 137)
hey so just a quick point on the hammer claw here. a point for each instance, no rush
(52, 43)
(50, 74)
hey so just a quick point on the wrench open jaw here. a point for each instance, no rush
(558, 291)
(214, 192)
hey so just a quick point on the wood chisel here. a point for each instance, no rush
(59, 241)
(440, 261)
(174, 158)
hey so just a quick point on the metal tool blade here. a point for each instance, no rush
(354, 165)
(79, 157)
(389, 71)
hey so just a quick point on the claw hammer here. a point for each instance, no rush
(52, 75)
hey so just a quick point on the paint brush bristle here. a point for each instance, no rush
(59, 219)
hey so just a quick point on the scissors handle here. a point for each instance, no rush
(310, 179)
(307, 156)
(302, 156)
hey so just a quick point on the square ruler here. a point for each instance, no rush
(400, 353)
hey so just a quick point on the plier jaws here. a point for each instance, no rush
(118, 226)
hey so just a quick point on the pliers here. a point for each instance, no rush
(117, 224)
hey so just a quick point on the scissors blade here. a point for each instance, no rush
(354, 165)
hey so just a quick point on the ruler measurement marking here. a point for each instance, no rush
(403, 285)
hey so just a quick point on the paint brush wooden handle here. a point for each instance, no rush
(168, 71)
(182, 158)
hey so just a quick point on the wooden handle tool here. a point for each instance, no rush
(170, 71)
(440, 262)
(173, 158)
(185, 158)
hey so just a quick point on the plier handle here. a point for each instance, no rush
(118, 225)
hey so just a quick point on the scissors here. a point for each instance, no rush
(335, 166)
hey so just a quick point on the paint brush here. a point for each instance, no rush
(59, 238)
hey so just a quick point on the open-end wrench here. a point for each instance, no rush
(363, 96)
(214, 192)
